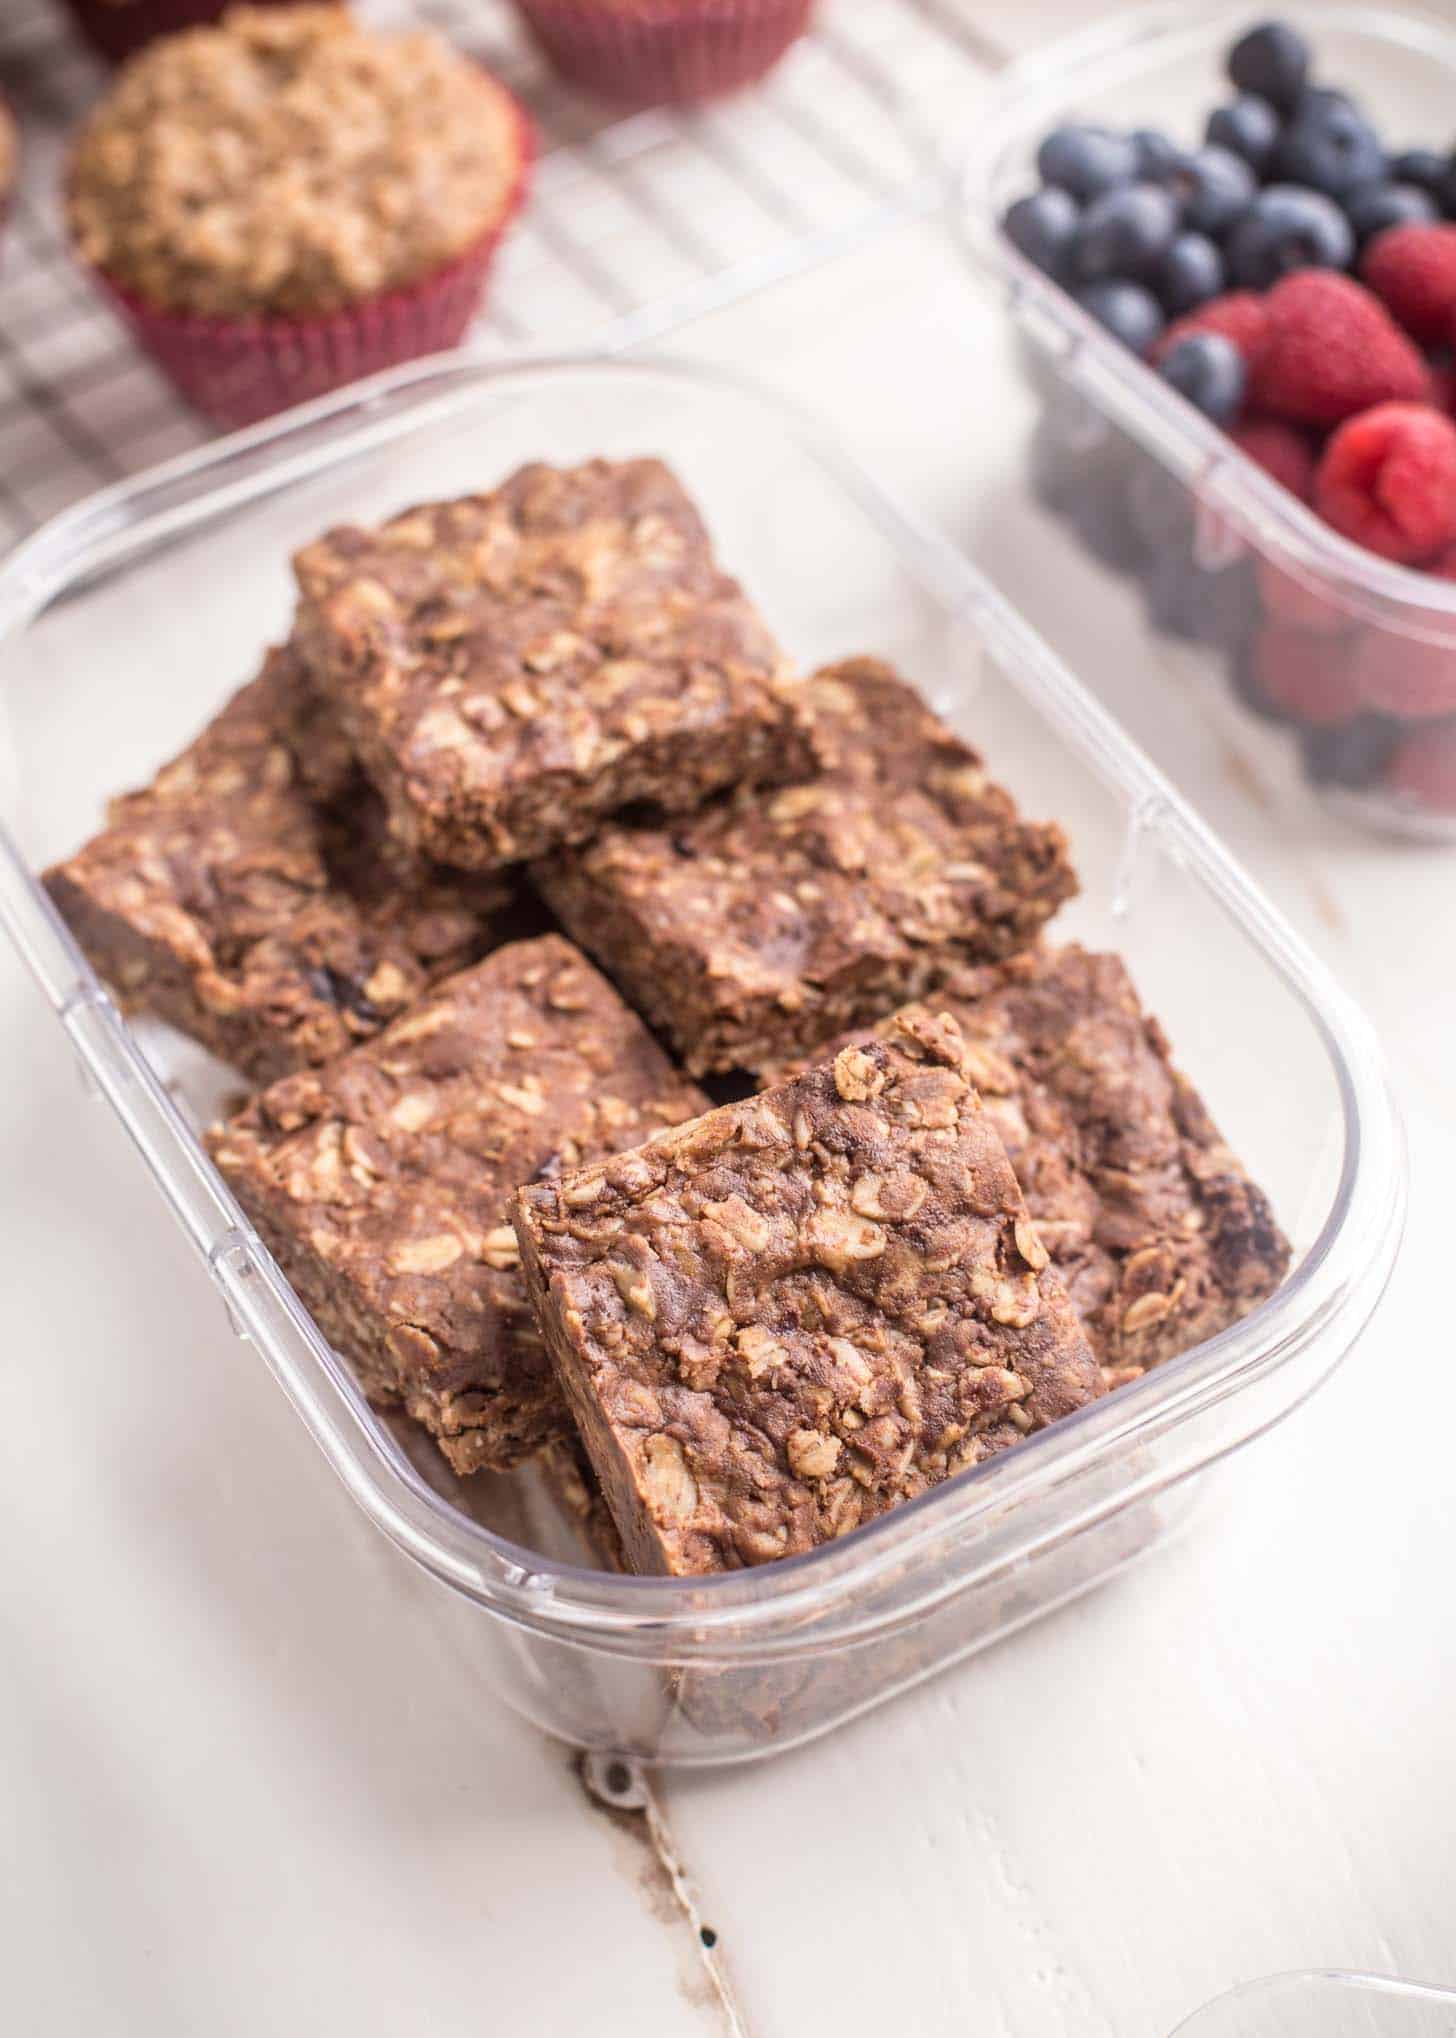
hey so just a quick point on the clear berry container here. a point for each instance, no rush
(1352, 659)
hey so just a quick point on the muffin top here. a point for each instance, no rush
(289, 161)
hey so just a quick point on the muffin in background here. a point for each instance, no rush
(114, 28)
(287, 201)
(665, 52)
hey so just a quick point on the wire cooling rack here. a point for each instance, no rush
(636, 224)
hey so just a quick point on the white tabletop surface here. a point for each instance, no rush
(245, 1787)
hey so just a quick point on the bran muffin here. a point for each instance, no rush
(287, 201)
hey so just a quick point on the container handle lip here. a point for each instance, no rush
(758, 1611)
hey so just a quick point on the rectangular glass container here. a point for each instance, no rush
(126, 622)
(1355, 656)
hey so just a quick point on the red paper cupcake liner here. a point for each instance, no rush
(114, 28)
(665, 52)
(9, 185)
(236, 371)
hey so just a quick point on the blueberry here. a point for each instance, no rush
(1331, 149)
(1126, 232)
(1158, 155)
(1189, 274)
(1072, 452)
(1129, 312)
(1316, 100)
(1351, 754)
(1086, 160)
(1217, 186)
(1287, 228)
(1079, 464)
(1248, 125)
(1171, 592)
(1209, 370)
(1427, 169)
(1041, 226)
(1272, 60)
(1162, 510)
(1107, 531)
(1371, 210)
(1230, 607)
(1200, 605)
(1245, 686)
(1053, 470)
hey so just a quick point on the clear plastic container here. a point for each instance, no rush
(1326, 2003)
(1355, 656)
(182, 577)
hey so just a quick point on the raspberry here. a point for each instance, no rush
(1280, 450)
(1424, 768)
(1295, 601)
(1352, 754)
(1308, 677)
(1245, 686)
(1412, 270)
(1332, 350)
(1443, 386)
(1388, 480)
(1405, 676)
(1238, 316)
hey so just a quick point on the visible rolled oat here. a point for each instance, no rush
(414, 1271)
(251, 896)
(1154, 1225)
(759, 926)
(661, 684)
(805, 1370)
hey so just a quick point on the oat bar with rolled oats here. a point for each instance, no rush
(566, 1472)
(381, 1183)
(752, 930)
(798, 1311)
(251, 896)
(1154, 1224)
(510, 667)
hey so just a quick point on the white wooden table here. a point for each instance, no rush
(244, 1788)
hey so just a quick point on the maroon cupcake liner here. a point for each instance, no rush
(239, 370)
(9, 179)
(114, 28)
(665, 52)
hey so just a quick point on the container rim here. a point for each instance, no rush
(818, 1597)
(1311, 1982)
(1047, 85)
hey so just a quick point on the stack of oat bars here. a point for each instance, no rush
(962, 1190)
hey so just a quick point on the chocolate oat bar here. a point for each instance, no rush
(566, 1472)
(755, 928)
(381, 1182)
(512, 666)
(1157, 1230)
(798, 1311)
(275, 931)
